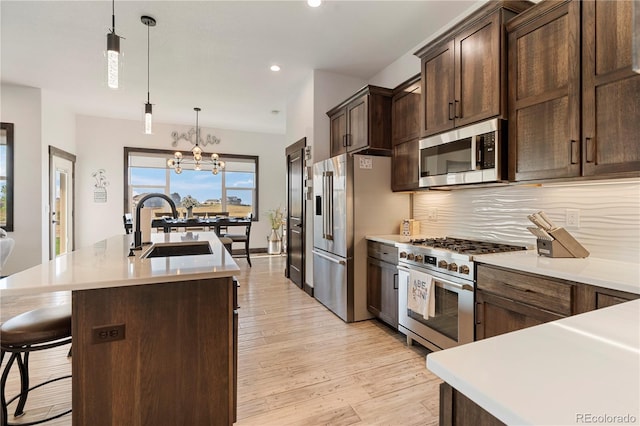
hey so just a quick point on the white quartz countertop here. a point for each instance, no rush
(107, 264)
(599, 272)
(558, 373)
(605, 273)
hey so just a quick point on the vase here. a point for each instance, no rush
(189, 212)
(275, 243)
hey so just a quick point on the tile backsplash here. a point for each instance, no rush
(609, 214)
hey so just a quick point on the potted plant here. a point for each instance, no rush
(189, 203)
(275, 241)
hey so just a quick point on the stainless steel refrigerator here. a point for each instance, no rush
(353, 200)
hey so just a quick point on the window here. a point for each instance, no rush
(6, 176)
(234, 190)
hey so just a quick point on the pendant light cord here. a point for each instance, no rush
(113, 16)
(148, 55)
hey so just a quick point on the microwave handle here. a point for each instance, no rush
(479, 152)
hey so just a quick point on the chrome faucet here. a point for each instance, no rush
(137, 235)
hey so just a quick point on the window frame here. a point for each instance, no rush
(8, 128)
(169, 154)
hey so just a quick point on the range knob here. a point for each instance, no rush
(464, 269)
(442, 264)
(403, 255)
(419, 258)
(410, 256)
(453, 267)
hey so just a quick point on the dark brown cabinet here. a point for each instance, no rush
(508, 301)
(463, 71)
(382, 282)
(405, 130)
(610, 89)
(362, 123)
(573, 107)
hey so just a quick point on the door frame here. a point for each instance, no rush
(56, 152)
(297, 147)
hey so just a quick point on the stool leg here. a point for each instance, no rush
(246, 248)
(3, 382)
(23, 365)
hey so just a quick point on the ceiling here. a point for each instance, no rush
(209, 54)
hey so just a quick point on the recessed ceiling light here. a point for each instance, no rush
(314, 3)
(275, 68)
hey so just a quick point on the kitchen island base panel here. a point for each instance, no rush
(458, 410)
(171, 364)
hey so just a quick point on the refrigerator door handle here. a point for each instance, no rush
(329, 258)
(330, 205)
(329, 212)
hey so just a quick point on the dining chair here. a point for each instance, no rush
(243, 238)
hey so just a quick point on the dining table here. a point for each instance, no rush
(217, 223)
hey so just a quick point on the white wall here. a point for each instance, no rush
(22, 106)
(59, 131)
(100, 145)
(329, 90)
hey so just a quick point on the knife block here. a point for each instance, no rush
(562, 245)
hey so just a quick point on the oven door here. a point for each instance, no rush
(453, 322)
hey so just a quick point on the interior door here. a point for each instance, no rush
(295, 212)
(61, 202)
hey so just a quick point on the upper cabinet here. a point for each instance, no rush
(573, 97)
(405, 131)
(464, 70)
(362, 123)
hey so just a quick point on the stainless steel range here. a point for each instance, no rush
(448, 264)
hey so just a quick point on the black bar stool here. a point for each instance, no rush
(35, 330)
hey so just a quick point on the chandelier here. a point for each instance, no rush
(198, 162)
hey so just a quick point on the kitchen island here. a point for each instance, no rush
(154, 339)
(577, 370)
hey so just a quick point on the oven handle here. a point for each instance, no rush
(465, 287)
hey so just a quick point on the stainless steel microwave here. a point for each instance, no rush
(470, 154)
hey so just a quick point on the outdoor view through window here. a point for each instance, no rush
(232, 191)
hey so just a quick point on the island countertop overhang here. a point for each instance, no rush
(106, 264)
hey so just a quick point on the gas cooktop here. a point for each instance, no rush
(464, 246)
(449, 255)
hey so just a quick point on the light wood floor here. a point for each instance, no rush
(298, 363)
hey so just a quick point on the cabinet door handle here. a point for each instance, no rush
(591, 149)
(478, 313)
(572, 147)
(458, 113)
(395, 281)
(344, 140)
(451, 114)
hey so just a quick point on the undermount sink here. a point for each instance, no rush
(184, 248)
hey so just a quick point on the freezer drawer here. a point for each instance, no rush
(330, 283)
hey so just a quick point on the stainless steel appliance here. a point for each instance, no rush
(449, 262)
(353, 199)
(470, 154)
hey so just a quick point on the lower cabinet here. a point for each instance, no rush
(382, 283)
(496, 315)
(508, 300)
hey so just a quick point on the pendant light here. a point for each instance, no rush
(113, 51)
(148, 108)
(179, 160)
